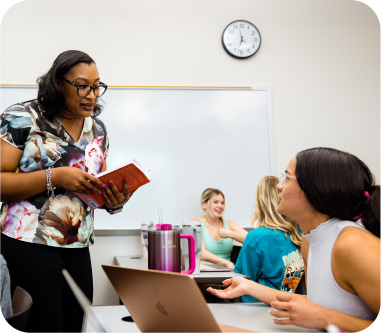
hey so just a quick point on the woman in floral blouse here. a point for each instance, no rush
(50, 147)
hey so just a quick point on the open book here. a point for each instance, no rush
(134, 173)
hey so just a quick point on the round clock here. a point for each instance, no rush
(241, 39)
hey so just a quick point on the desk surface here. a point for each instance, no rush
(203, 277)
(251, 316)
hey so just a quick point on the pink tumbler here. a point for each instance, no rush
(164, 251)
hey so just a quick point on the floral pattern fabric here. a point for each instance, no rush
(64, 221)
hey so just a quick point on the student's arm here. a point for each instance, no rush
(303, 313)
(20, 186)
(356, 265)
(239, 286)
(211, 257)
(235, 231)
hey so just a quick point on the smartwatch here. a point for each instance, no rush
(114, 211)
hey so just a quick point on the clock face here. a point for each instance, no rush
(241, 39)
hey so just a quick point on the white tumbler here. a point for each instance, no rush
(194, 229)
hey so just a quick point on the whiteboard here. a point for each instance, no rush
(191, 139)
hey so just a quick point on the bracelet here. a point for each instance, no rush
(49, 186)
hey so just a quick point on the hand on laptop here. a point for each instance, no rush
(237, 287)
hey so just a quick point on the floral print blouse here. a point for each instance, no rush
(64, 221)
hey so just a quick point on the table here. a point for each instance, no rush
(203, 277)
(251, 316)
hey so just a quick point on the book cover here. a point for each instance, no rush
(134, 173)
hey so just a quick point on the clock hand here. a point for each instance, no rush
(242, 40)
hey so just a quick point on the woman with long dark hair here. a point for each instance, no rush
(326, 191)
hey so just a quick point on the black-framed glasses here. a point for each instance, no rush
(84, 89)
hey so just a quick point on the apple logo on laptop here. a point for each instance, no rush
(161, 309)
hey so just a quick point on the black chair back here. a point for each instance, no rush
(21, 304)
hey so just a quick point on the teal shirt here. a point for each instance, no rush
(265, 255)
(222, 248)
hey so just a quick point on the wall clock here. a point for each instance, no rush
(241, 39)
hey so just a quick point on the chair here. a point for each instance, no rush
(21, 304)
(235, 253)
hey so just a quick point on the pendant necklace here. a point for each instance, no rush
(208, 226)
(72, 126)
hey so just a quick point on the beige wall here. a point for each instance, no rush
(103, 252)
(320, 57)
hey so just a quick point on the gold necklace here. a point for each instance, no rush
(72, 126)
(214, 235)
(213, 228)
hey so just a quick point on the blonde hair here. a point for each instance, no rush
(265, 214)
(209, 194)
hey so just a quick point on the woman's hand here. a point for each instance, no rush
(114, 198)
(229, 264)
(297, 310)
(238, 286)
(224, 233)
(75, 180)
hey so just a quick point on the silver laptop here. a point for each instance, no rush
(164, 302)
(91, 318)
(210, 267)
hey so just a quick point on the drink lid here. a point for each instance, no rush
(164, 227)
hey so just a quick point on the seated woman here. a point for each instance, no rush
(217, 233)
(270, 254)
(326, 191)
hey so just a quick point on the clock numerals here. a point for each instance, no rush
(241, 39)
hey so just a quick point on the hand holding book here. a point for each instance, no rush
(134, 173)
(115, 199)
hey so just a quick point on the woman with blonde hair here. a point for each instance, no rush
(217, 234)
(271, 253)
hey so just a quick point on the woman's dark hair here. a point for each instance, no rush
(335, 183)
(50, 96)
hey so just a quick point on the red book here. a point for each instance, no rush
(134, 173)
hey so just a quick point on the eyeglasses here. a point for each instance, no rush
(84, 89)
(282, 178)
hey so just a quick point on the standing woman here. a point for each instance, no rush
(217, 233)
(50, 147)
(326, 191)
